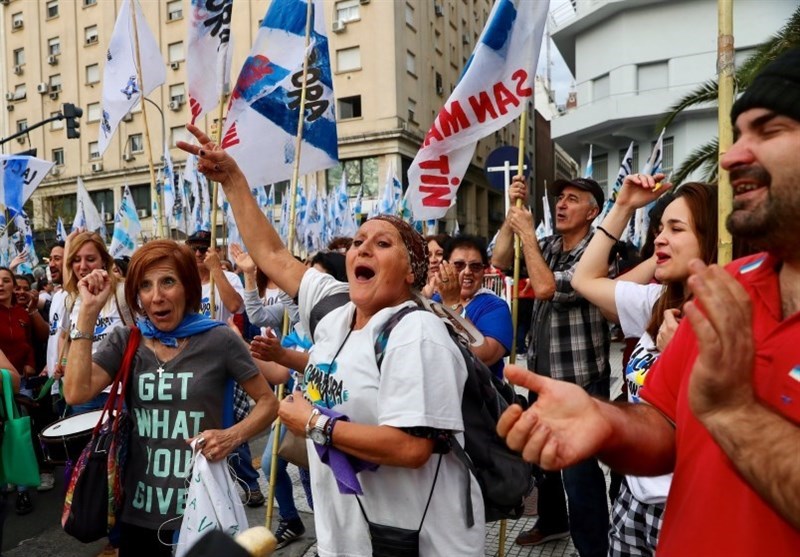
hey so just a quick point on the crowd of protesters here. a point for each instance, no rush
(705, 447)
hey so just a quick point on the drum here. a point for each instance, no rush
(64, 440)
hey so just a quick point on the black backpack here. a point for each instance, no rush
(505, 478)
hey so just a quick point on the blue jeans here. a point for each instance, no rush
(585, 486)
(242, 463)
(284, 495)
(96, 403)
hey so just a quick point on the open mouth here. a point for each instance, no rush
(743, 188)
(161, 314)
(364, 273)
(662, 258)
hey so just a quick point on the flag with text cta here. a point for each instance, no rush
(20, 176)
(86, 213)
(208, 54)
(121, 87)
(494, 89)
(126, 227)
(264, 108)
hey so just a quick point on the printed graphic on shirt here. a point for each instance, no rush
(156, 422)
(205, 307)
(55, 322)
(101, 327)
(322, 387)
(639, 364)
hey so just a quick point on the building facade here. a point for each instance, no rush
(394, 62)
(633, 59)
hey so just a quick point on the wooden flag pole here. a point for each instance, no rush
(158, 194)
(725, 69)
(290, 245)
(214, 202)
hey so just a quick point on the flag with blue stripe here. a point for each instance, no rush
(61, 233)
(20, 176)
(264, 108)
(126, 227)
(23, 224)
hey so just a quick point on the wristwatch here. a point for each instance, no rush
(75, 334)
(318, 433)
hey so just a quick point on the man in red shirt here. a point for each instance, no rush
(724, 397)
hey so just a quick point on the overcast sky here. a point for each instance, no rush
(562, 79)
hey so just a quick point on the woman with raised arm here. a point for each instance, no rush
(649, 311)
(177, 387)
(385, 419)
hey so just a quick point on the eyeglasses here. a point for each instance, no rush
(201, 249)
(475, 266)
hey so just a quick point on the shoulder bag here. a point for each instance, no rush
(18, 463)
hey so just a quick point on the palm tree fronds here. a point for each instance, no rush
(706, 157)
(705, 93)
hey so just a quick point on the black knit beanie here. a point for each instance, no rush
(776, 88)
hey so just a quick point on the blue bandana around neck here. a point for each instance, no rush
(192, 324)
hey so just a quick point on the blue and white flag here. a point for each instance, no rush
(270, 210)
(545, 227)
(23, 224)
(126, 227)
(205, 202)
(283, 229)
(357, 203)
(589, 165)
(86, 214)
(347, 225)
(20, 176)
(264, 108)
(208, 54)
(169, 187)
(389, 203)
(494, 89)
(61, 232)
(624, 169)
(179, 209)
(195, 210)
(641, 220)
(121, 87)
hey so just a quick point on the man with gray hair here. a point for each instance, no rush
(570, 342)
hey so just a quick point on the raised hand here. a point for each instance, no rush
(639, 190)
(95, 289)
(668, 327)
(213, 161)
(243, 259)
(211, 260)
(563, 427)
(518, 190)
(448, 284)
(267, 347)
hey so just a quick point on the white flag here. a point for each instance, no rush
(86, 214)
(208, 54)
(121, 87)
(126, 227)
(494, 89)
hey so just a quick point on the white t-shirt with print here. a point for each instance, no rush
(58, 306)
(420, 384)
(222, 313)
(635, 308)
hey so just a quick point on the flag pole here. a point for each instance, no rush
(290, 245)
(725, 68)
(214, 202)
(159, 193)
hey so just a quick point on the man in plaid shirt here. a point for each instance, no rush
(570, 342)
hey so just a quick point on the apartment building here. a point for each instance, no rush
(394, 62)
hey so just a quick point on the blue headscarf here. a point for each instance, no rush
(192, 324)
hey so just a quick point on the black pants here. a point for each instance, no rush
(136, 541)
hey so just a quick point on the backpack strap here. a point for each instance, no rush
(324, 307)
(383, 337)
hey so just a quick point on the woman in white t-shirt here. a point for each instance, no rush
(648, 311)
(393, 415)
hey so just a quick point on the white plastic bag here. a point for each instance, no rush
(212, 503)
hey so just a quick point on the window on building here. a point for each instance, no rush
(87, 3)
(90, 34)
(601, 87)
(178, 133)
(349, 107)
(635, 158)
(141, 198)
(652, 77)
(359, 172)
(136, 143)
(19, 57)
(94, 150)
(20, 92)
(175, 52)
(22, 125)
(93, 112)
(58, 156)
(439, 81)
(411, 63)
(600, 170)
(347, 10)
(64, 206)
(348, 59)
(177, 93)
(54, 46)
(17, 21)
(55, 83)
(667, 156)
(56, 124)
(410, 15)
(412, 110)
(104, 201)
(174, 10)
(52, 8)
(92, 73)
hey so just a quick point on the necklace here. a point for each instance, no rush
(181, 345)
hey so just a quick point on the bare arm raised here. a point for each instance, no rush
(262, 241)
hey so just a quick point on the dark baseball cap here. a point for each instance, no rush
(202, 237)
(585, 184)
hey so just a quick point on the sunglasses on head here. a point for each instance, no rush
(475, 267)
